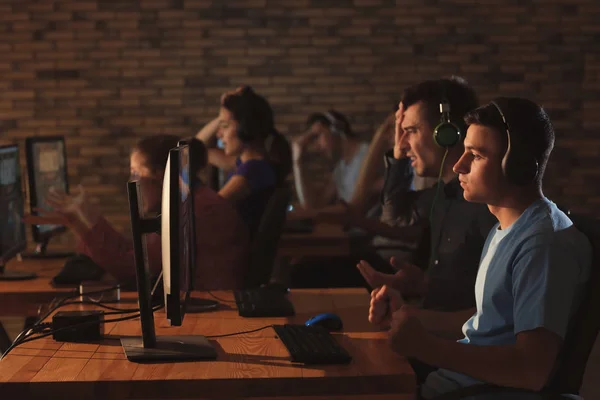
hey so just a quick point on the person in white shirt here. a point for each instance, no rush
(340, 145)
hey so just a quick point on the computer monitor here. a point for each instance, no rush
(177, 234)
(46, 168)
(178, 243)
(12, 230)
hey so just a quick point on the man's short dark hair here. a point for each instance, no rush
(531, 131)
(340, 119)
(455, 90)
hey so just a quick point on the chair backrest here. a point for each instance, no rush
(266, 239)
(585, 324)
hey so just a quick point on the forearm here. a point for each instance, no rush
(444, 324)
(408, 234)
(368, 176)
(499, 365)
(219, 159)
(397, 197)
(208, 131)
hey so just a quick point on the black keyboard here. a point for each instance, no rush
(312, 345)
(263, 303)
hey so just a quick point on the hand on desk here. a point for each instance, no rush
(409, 279)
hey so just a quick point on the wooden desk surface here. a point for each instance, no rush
(23, 297)
(326, 240)
(249, 365)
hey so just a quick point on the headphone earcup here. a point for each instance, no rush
(519, 170)
(446, 134)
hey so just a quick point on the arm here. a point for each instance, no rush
(444, 324)
(527, 364)
(219, 159)
(216, 157)
(369, 183)
(236, 189)
(208, 131)
(307, 198)
(545, 278)
(114, 253)
(408, 234)
(397, 196)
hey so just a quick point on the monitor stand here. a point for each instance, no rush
(169, 348)
(41, 252)
(15, 275)
(150, 347)
(195, 305)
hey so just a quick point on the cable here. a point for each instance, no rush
(239, 333)
(440, 183)
(80, 325)
(218, 298)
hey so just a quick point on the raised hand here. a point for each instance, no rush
(384, 302)
(398, 133)
(409, 278)
(373, 277)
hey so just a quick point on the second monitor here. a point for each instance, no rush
(46, 168)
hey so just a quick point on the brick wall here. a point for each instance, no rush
(105, 73)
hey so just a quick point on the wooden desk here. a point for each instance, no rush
(325, 241)
(21, 298)
(250, 365)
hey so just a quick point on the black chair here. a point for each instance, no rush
(580, 339)
(263, 249)
(5, 341)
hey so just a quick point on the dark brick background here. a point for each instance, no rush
(105, 73)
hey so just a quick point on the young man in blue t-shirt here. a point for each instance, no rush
(532, 271)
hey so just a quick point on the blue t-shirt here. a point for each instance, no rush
(260, 175)
(531, 275)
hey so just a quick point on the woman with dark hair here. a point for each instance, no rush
(221, 235)
(256, 156)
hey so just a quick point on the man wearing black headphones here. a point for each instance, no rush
(340, 145)
(447, 232)
(531, 276)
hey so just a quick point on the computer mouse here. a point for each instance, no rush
(329, 321)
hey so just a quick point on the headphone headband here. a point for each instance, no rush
(517, 166)
(336, 126)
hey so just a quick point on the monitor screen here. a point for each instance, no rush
(12, 229)
(47, 167)
(177, 233)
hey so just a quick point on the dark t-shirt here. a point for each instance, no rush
(260, 175)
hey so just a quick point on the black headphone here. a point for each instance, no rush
(446, 133)
(519, 167)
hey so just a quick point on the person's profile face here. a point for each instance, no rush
(417, 141)
(228, 126)
(480, 167)
(150, 184)
(325, 140)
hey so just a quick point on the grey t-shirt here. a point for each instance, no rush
(345, 174)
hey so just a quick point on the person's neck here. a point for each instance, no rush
(512, 208)
(349, 149)
(251, 153)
